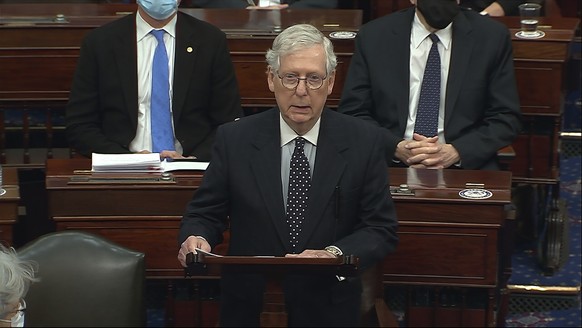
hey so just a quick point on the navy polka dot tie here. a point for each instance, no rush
(299, 185)
(430, 93)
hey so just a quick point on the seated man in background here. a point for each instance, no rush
(459, 112)
(264, 4)
(299, 180)
(117, 105)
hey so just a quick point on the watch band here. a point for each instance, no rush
(334, 250)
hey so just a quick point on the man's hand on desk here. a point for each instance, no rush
(313, 253)
(273, 7)
(190, 245)
(169, 154)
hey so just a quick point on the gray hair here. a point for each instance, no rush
(298, 37)
(16, 275)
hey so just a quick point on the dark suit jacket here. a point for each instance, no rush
(102, 110)
(349, 206)
(243, 3)
(482, 113)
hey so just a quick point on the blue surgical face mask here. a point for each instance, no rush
(159, 9)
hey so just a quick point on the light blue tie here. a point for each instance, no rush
(162, 134)
(430, 93)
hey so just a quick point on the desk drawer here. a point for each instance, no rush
(441, 254)
(156, 237)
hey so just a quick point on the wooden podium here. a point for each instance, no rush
(274, 269)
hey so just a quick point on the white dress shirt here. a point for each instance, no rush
(288, 146)
(146, 45)
(420, 45)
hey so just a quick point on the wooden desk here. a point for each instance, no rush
(450, 242)
(142, 216)
(9, 205)
(540, 69)
(550, 8)
(40, 54)
(445, 240)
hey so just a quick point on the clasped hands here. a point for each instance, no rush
(424, 152)
(196, 242)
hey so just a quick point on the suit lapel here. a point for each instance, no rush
(185, 57)
(462, 45)
(329, 166)
(266, 166)
(127, 65)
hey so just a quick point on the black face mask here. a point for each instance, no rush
(438, 13)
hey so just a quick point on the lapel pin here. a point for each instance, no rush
(189, 49)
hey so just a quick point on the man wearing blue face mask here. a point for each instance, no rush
(155, 81)
(455, 112)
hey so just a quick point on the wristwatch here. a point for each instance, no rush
(334, 250)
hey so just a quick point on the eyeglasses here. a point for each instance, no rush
(291, 81)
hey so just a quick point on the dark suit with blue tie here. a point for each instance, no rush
(103, 106)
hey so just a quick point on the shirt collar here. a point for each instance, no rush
(143, 28)
(288, 135)
(419, 33)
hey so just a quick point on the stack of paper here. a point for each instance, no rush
(181, 165)
(126, 162)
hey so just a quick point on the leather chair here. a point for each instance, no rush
(85, 281)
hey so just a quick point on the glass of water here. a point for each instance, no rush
(530, 16)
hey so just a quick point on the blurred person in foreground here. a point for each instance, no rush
(16, 276)
(249, 188)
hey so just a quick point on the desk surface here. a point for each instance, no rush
(435, 184)
(232, 21)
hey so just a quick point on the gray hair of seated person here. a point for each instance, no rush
(298, 37)
(16, 276)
